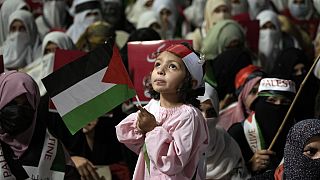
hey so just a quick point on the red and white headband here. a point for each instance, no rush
(191, 60)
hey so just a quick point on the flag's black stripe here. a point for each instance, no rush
(78, 70)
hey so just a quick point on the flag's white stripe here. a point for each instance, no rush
(81, 92)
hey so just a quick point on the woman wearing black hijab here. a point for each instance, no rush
(256, 133)
(294, 64)
(222, 71)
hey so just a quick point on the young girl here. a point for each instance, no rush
(169, 134)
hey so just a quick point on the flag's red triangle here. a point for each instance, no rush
(63, 57)
(116, 72)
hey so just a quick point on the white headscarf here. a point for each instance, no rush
(316, 5)
(43, 66)
(158, 6)
(80, 21)
(54, 16)
(269, 39)
(21, 48)
(223, 156)
(301, 11)
(147, 19)
(211, 17)
(7, 8)
(194, 12)
(138, 9)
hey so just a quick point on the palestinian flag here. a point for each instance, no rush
(89, 87)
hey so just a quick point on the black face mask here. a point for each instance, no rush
(298, 79)
(15, 118)
(269, 117)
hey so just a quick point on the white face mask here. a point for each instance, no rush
(299, 11)
(316, 4)
(55, 13)
(237, 8)
(269, 43)
(90, 19)
(15, 49)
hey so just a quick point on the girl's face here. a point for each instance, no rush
(312, 148)
(168, 73)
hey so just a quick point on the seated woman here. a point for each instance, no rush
(256, 133)
(28, 148)
(22, 45)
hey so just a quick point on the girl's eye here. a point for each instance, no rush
(172, 66)
(156, 64)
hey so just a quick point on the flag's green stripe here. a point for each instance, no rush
(59, 162)
(101, 104)
(146, 157)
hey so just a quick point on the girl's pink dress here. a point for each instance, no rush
(176, 149)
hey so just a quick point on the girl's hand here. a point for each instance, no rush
(260, 160)
(146, 121)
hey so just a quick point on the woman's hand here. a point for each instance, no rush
(146, 121)
(260, 160)
(85, 168)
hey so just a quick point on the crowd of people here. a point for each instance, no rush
(216, 105)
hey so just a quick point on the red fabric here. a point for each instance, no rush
(179, 49)
(278, 174)
(251, 28)
(63, 57)
(243, 74)
(36, 7)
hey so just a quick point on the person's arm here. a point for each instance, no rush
(255, 162)
(170, 152)
(128, 133)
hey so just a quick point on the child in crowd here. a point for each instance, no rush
(169, 133)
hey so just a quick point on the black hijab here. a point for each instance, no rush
(296, 165)
(284, 69)
(225, 67)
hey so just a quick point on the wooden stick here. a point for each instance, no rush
(293, 103)
(138, 100)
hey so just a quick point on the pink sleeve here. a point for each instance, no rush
(170, 153)
(128, 134)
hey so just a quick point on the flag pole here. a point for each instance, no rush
(293, 103)
(138, 100)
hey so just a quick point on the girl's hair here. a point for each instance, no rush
(185, 92)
